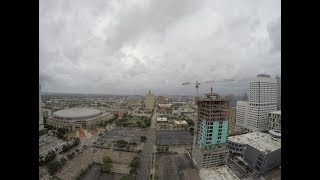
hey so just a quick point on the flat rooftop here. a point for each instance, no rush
(77, 113)
(221, 173)
(259, 140)
(181, 122)
(162, 119)
(276, 112)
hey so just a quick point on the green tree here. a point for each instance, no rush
(76, 141)
(139, 151)
(127, 178)
(107, 159)
(51, 155)
(53, 167)
(135, 163)
(70, 156)
(60, 135)
(106, 167)
(62, 130)
(139, 123)
(143, 138)
(133, 171)
(49, 127)
(63, 160)
(167, 148)
(41, 132)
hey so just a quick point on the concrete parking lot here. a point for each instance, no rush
(170, 167)
(174, 137)
(124, 133)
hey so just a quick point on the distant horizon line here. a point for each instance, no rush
(60, 93)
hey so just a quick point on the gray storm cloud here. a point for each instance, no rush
(132, 46)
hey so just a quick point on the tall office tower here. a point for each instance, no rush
(149, 101)
(211, 132)
(262, 100)
(41, 126)
(242, 114)
(279, 91)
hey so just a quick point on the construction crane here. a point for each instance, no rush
(205, 82)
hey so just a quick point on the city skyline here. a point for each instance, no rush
(125, 48)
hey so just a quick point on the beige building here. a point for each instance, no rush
(78, 118)
(149, 101)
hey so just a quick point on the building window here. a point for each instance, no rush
(259, 163)
(257, 168)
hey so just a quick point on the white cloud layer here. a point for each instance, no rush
(131, 46)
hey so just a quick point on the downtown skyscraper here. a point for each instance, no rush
(263, 98)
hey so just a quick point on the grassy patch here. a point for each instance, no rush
(135, 121)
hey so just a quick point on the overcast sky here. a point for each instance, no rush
(132, 46)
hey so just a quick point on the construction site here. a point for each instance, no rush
(211, 132)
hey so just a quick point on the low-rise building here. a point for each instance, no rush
(161, 119)
(180, 124)
(49, 143)
(261, 151)
(237, 144)
(162, 123)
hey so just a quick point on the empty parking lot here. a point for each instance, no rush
(124, 133)
(174, 137)
(170, 167)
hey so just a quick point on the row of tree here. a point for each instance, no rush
(163, 149)
(66, 147)
(107, 164)
(135, 164)
(54, 166)
(51, 155)
(105, 122)
(142, 122)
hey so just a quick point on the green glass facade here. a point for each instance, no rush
(212, 133)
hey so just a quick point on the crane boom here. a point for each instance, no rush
(210, 81)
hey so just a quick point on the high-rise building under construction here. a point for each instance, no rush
(209, 147)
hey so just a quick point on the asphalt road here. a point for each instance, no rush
(146, 156)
